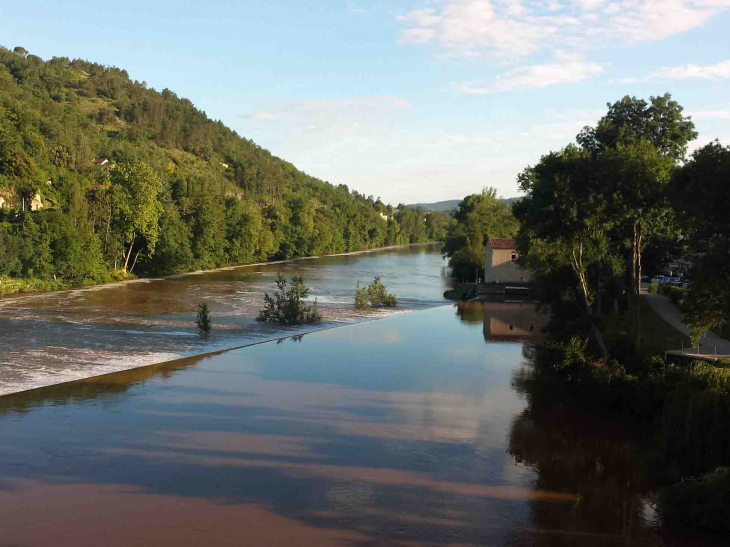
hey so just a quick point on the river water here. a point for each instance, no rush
(414, 430)
(57, 337)
(419, 429)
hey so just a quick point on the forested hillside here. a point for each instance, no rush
(178, 191)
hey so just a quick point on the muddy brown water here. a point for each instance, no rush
(417, 429)
(57, 337)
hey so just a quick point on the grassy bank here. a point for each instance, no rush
(14, 285)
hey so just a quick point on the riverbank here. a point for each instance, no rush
(10, 286)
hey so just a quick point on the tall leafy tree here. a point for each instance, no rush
(567, 220)
(701, 193)
(479, 217)
(136, 188)
(639, 130)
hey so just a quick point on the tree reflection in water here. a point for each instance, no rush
(579, 454)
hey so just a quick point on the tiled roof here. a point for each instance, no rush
(503, 243)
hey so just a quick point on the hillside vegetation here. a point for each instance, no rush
(179, 191)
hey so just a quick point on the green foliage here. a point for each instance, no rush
(164, 203)
(135, 189)
(479, 217)
(590, 211)
(287, 306)
(630, 121)
(695, 434)
(361, 297)
(700, 193)
(203, 319)
(374, 295)
(675, 294)
(702, 502)
(653, 287)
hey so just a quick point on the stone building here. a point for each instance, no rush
(500, 262)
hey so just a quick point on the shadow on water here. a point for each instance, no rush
(406, 431)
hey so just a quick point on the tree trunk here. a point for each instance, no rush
(633, 293)
(639, 240)
(577, 262)
(136, 256)
(599, 295)
(129, 252)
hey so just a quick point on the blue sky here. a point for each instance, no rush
(417, 100)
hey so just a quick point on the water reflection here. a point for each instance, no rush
(406, 431)
(505, 321)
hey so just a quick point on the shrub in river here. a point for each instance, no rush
(203, 319)
(702, 502)
(287, 306)
(374, 295)
(361, 297)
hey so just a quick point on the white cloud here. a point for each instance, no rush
(720, 70)
(536, 76)
(511, 30)
(715, 114)
(686, 72)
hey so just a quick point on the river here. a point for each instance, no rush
(419, 429)
(57, 337)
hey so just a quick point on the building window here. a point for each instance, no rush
(514, 257)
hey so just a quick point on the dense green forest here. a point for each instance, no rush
(178, 191)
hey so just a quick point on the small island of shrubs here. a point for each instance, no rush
(374, 295)
(287, 306)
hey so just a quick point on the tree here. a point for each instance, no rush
(700, 194)
(374, 295)
(647, 138)
(287, 306)
(562, 211)
(632, 120)
(479, 217)
(635, 180)
(136, 188)
(203, 319)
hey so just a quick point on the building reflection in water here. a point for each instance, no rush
(506, 321)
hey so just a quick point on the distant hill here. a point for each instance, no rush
(449, 204)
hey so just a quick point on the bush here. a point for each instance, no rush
(374, 295)
(702, 502)
(696, 421)
(361, 298)
(287, 306)
(203, 319)
(653, 287)
(675, 294)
